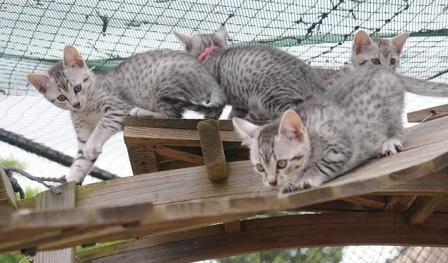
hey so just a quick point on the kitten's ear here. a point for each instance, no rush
(39, 81)
(291, 126)
(361, 41)
(222, 34)
(72, 58)
(184, 39)
(399, 41)
(245, 129)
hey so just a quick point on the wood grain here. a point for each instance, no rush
(49, 201)
(428, 114)
(7, 195)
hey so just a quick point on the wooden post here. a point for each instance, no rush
(49, 201)
(212, 150)
(7, 195)
(422, 208)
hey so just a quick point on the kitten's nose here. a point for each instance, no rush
(273, 182)
(77, 105)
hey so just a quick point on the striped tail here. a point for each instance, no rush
(425, 88)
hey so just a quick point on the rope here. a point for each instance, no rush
(42, 180)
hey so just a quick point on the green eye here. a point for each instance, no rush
(281, 164)
(61, 98)
(376, 61)
(259, 167)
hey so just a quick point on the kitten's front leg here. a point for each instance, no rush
(81, 166)
(108, 125)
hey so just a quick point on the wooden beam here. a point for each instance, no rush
(399, 203)
(50, 201)
(366, 202)
(428, 114)
(422, 208)
(332, 229)
(232, 227)
(7, 195)
(186, 124)
(213, 151)
(181, 155)
(142, 156)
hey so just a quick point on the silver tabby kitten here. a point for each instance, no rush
(359, 118)
(259, 82)
(160, 83)
(368, 51)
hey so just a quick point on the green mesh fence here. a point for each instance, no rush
(33, 33)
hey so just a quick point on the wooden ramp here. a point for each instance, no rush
(180, 215)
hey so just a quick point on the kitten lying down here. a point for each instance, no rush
(358, 118)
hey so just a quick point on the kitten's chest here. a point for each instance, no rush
(92, 118)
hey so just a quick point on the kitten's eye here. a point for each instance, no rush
(77, 88)
(259, 167)
(282, 164)
(376, 61)
(61, 98)
(393, 61)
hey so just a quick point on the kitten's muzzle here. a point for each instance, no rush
(273, 182)
(77, 105)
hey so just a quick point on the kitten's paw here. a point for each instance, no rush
(139, 112)
(91, 151)
(308, 182)
(76, 176)
(288, 188)
(391, 146)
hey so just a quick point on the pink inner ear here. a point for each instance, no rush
(38, 81)
(362, 40)
(72, 58)
(291, 126)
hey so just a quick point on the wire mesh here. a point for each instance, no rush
(33, 34)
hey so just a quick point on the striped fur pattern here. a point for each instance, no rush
(160, 83)
(259, 82)
(358, 118)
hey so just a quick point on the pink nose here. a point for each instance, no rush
(273, 183)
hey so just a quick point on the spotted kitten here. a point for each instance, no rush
(358, 118)
(259, 82)
(160, 83)
(367, 51)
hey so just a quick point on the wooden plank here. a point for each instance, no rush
(422, 208)
(366, 202)
(50, 201)
(399, 203)
(213, 151)
(339, 229)
(181, 155)
(7, 195)
(187, 124)
(428, 114)
(142, 156)
(165, 136)
(232, 227)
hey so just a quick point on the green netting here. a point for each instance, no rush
(33, 33)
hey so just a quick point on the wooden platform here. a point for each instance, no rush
(180, 216)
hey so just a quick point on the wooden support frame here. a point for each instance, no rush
(423, 207)
(50, 201)
(379, 228)
(7, 195)
(213, 151)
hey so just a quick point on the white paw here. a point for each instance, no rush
(76, 175)
(91, 151)
(139, 112)
(309, 181)
(391, 146)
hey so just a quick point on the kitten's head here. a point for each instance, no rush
(377, 51)
(278, 151)
(196, 44)
(66, 83)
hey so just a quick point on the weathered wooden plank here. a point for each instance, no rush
(7, 195)
(49, 201)
(428, 114)
(213, 151)
(187, 124)
(366, 202)
(422, 208)
(181, 155)
(142, 156)
(232, 227)
(276, 233)
(399, 203)
(165, 136)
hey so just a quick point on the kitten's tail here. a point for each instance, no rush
(425, 88)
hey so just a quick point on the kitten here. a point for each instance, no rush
(160, 83)
(358, 118)
(367, 51)
(259, 82)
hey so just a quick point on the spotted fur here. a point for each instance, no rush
(160, 83)
(358, 118)
(259, 82)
